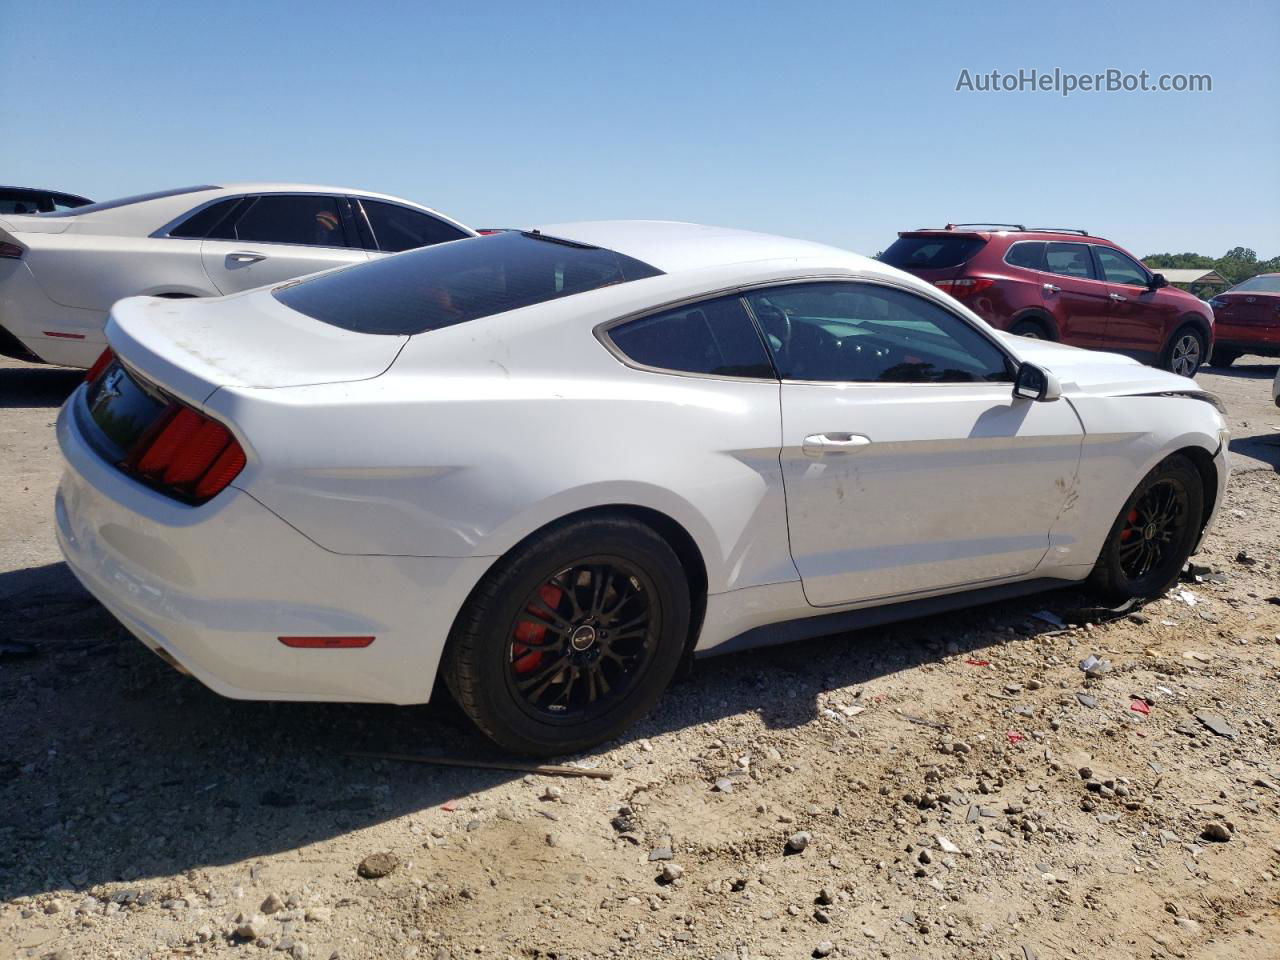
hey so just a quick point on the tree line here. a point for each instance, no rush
(1236, 265)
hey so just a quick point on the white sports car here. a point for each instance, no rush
(550, 464)
(60, 272)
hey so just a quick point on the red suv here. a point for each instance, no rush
(1061, 285)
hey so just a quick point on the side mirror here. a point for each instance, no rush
(1157, 281)
(1035, 383)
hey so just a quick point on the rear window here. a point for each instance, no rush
(931, 252)
(126, 201)
(1263, 283)
(449, 283)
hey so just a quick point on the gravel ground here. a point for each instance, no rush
(954, 787)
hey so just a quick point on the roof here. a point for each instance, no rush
(673, 246)
(1199, 275)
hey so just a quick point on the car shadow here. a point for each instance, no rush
(115, 768)
(33, 385)
(1265, 370)
(1265, 448)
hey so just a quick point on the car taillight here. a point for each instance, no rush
(11, 251)
(103, 361)
(189, 453)
(965, 286)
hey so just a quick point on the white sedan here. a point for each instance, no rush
(551, 464)
(60, 272)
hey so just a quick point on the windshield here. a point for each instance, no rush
(451, 283)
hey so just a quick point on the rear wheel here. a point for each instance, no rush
(1031, 329)
(1154, 534)
(1223, 357)
(1185, 352)
(572, 638)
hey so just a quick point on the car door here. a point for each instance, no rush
(1141, 319)
(276, 237)
(907, 464)
(1075, 295)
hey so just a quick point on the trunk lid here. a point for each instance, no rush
(1249, 308)
(12, 224)
(193, 347)
(934, 255)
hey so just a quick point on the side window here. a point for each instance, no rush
(202, 222)
(866, 333)
(1118, 268)
(302, 220)
(1028, 254)
(1069, 260)
(397, 228)
(713, 337)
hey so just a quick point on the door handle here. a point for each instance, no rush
(818, 444)
(1117, 297)
(1052, 288)
(245, 256)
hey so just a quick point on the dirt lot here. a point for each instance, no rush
(964, 788)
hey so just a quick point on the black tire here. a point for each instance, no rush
(486, 662)
(1185, 352)
(1116, 574)
(1223, 357)
(1032, 329)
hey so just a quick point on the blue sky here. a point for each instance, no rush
(831, 121)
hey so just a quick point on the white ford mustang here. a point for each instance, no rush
(551, 464)
(60, 272)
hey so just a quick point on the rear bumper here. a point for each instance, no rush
(70, 336)
(215, 586)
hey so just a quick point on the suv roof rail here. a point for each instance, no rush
(1012, 227)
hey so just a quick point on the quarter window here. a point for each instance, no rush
(1118, 268)
(302, 220)
(1069, 260)
(397, 228)
(714, 337)
(1027, 254)
(200, 224)
(865, 333)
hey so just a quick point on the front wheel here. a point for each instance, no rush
(571, 638)
(1185, 352)
(1154, 534)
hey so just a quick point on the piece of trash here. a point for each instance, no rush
(1187, 597)
(852, 711)
(449, 806)
(1015, 737)
(17, 650)
(1094, 667)
(975, 662)
(1050, 618)
(1216, 724)
(1140, 706)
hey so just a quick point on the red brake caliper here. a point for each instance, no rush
(528, 636)
(1132, 519)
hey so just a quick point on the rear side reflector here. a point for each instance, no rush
(325, 643)
(63, 336)
(11, 251)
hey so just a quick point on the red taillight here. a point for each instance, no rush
(11, 251)
(189, 453)
(103, 361)
(964, 287)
